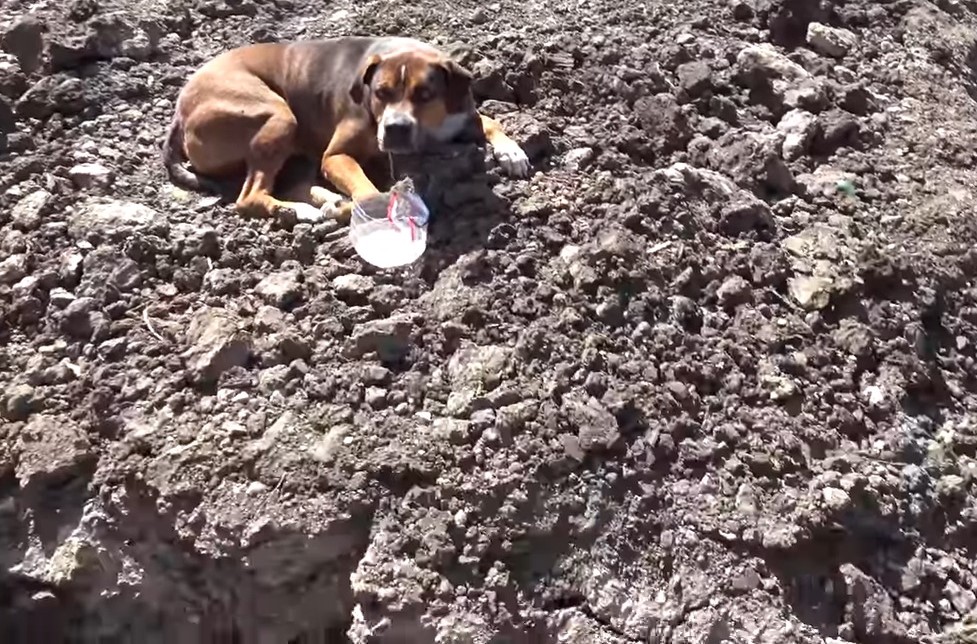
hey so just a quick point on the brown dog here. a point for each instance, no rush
(343, 102)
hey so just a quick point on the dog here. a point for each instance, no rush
(344, 102)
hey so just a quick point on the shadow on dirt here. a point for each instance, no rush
(817, 577)
(454, 182)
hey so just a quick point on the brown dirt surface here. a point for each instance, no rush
(708, 376)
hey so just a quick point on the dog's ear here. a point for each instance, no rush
(458, 83)
(363, 78)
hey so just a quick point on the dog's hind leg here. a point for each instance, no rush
(247, 125)
(268, 150)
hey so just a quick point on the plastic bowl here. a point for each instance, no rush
(390, 229)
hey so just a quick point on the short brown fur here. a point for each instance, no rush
(254, 107)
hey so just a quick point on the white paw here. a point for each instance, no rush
(322, 196)
(331, 210)
(512, 158)
(307, 213)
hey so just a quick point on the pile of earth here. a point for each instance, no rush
(707, 376)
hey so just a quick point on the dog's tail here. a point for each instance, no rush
(174, 158)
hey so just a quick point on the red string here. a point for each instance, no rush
(410, 219)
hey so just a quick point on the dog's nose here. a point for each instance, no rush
(398, 131)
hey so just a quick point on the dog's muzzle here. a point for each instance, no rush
(399, 132)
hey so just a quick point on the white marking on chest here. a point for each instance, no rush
(451, 126)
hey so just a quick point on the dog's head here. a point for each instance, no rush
(414, 97)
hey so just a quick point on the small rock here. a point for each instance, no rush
(854, 337)
(352, 286)
(569, 252)
(13, 269)
(781, 388)
(195, 241)
(77, 318)
(222, 281)
(962, 599)
(90, 175)
(376, 397)
(483, 419)
(798, 127)
(734, 291)
(858, 100)
(282, 289)
(870, 608)
(60, 298)
(808, 95)
(217, 344)
(19, 402)
(282, 348)
(71, 267)
(269, 319)
(743, 9)
(113, 349)
(478, 367)
(375, 375)
(826, 182)
(51, 449)
(389, 338)
(746, 499)
(666, 126)
(739, 216)
(58, 93)
(459, 403)
(25, 40)
(835, 498)
(830, 41)
(28, 213)
(111, 218)
(255, 488)
(779, 82)
(765, 62)
(273, 378)
(595, 384)
(511, 419)
(386, 298)
(578, 158)
(126, 275)
(753, 160)
(595, 426)
(874, 395)
(331, 444)
(610, 312)
(747, 581)
(8, 120)
(836, 129)
(694, 78)
(489, 81)
(951, 486)
(572, 448)
(812, 293)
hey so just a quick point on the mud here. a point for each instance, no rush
(707, 376)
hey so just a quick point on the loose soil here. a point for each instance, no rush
(707, 376)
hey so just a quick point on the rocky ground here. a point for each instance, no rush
(708, 376)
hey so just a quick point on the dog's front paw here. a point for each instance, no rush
(308, 214)
(322, 197)
(512, 158)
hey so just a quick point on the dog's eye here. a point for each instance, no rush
(385, 94)
(423, 94)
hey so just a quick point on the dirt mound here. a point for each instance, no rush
(708, 376)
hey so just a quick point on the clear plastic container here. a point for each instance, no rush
(390, 229)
